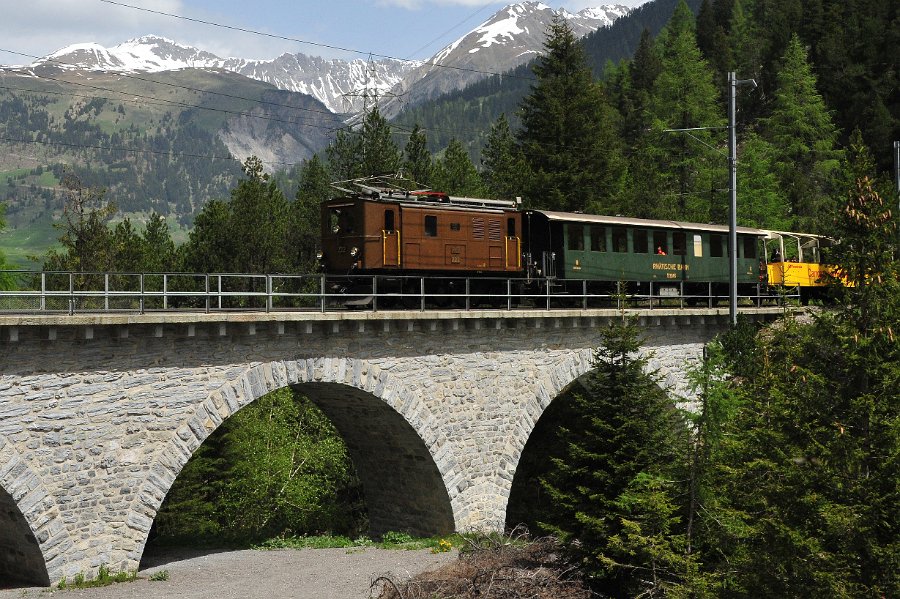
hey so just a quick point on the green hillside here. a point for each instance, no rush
(153, 142)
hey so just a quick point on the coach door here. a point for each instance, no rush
(390, 240)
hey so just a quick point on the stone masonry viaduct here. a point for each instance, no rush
(99, 413)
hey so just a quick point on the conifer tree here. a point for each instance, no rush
(569, 133)
(614, 488)
(801, 130)
(417, 162)
(455, 174)
(502, 162)
(259, 220)
(687, 175)
(314, 188)
(345, 155)
(380, 155)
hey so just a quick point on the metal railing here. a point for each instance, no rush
(77, 292)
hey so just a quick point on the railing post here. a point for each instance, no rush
(206, 282)
(374, 293)
(71, 293)
(219, 293)
(547, 282)
(651, 295)
(468, 294)
(422, 293)
(165, 291)
(509, 294)
(106, 291)
(322, 292)
(268, 293)
(681, 294)
(142, 291)
(709, 297)
(584, 301)
(43, 291)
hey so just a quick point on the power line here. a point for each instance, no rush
(301, 41)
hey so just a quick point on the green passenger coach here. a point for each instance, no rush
(676, 257)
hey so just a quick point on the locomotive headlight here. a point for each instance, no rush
(354, 252)
(319, 255)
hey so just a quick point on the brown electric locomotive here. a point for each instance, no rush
(377, 232)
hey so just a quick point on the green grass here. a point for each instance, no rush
(104, 578)
(390, 540)
(35, 239)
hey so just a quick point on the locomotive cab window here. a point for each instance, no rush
(430, 225)
(389, 220)
(510, 227)
(639, 239)
(576, 237)
(341, 221)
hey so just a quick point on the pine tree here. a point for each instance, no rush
(760, 201)
(503, 165)
(812, 466)
(569, 133)
(687, 175)
(801, 130)
(158, 247)
(613, 489)
(259, 221)
(455, 174)
(305, 233)
(345, 155)
(418, 163)
(380, 155)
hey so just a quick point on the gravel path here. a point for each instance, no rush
(289, 573)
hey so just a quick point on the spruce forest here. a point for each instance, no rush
(784, 479)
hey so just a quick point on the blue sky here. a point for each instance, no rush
(401, 28)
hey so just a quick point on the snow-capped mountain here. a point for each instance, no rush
(509, 38)
(335, 83)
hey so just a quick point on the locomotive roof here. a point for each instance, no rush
(642, 222)
(436, 200)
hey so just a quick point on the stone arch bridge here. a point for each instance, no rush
(99, 413)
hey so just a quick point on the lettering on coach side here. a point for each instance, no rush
(667, 266)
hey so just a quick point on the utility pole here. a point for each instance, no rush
(897, 166)
(733, 82)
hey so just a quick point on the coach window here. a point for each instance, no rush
(715, 246)
(749, 247)
(510, 227)
(698, 246)
(389, 220)
(620, 239)
(598, 239)
(639, 240)
(576, 237)
(660, 242)
(430, 226)
(679, 243)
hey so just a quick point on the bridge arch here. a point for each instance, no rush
(555, 380)
(33, 537)
(406, 462)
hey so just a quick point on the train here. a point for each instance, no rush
(402, 237)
